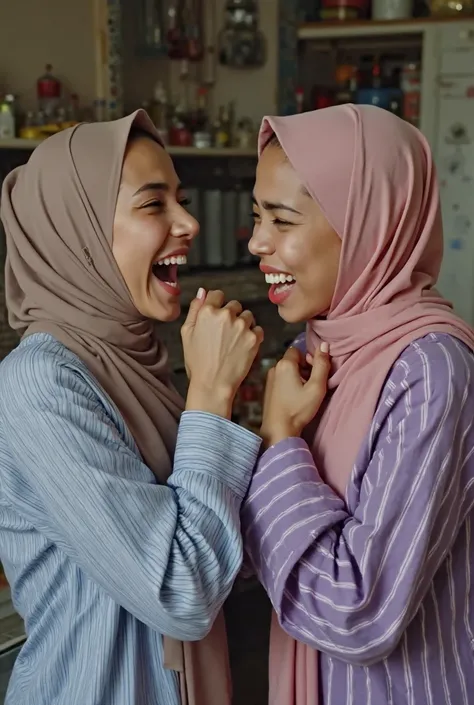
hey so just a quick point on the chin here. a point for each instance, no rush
(160, 312)
(290, 315)
(297, 314)
(169, 314)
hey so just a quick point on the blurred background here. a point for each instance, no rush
(207, 71)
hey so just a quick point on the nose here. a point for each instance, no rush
(261, 242)
(184, 225)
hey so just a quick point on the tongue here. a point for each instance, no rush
(172, 273)
(166, 272)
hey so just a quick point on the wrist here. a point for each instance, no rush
(217, 401)
(277, 433)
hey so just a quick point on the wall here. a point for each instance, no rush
(36, 32)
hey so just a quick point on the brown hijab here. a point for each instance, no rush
(61, 278)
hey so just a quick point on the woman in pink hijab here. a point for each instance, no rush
(358, 519)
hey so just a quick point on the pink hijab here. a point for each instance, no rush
(373, 176)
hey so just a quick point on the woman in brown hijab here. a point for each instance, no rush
(119, 529)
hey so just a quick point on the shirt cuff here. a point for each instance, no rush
(218, 447)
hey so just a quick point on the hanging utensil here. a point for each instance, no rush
(175, 36)
(151, 29)
(209, 31)
(193, 29)
(241, 43)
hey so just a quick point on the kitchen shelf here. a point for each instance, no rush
(18, 143)
(246, 284)
(372, 28)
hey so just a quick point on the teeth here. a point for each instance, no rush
(284, 287)
(179, 259)
(278, 278)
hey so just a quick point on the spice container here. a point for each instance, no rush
(48, 89)
(392, 9)
(411, 88)
(343, 10)
(7, 118)
(451, 7)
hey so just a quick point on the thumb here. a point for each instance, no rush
(194, 307)
(321, 368)
(294, 355)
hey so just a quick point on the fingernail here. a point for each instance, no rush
(324, 347)
(201, 293)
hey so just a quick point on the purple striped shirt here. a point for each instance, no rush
(381, 584)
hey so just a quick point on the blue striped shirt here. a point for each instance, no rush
(101, 559)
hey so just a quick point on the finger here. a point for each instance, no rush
(309, 359)
(259, 334)
(235, 307)
(294, 355)
(321, 367)
(269, 382)
(215, 298)
(248, 317)
(194, 308)
(289, 366)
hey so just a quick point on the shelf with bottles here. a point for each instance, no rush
(385, 71)
(17, 143)
(368, 28)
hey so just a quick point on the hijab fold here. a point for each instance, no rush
(373, 177)
(61, 278)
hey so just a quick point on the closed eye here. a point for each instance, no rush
(160, 204)
(274, 221)
(153, 204)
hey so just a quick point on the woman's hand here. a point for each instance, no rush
(220, 343)
(292, 399)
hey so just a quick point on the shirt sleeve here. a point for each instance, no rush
(348, 584)
(168, 554)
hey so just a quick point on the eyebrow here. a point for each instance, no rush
(156, 186)
(269, 206)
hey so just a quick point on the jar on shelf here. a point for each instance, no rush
(411, 89)
(453, 8)
(392, 9)
(344, 10)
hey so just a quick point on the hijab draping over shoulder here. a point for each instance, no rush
(62, 279)
(373, 177)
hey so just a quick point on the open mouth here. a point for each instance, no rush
(166, 272)
(281, 286)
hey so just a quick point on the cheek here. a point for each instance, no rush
(137, 239)
(314, 260)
